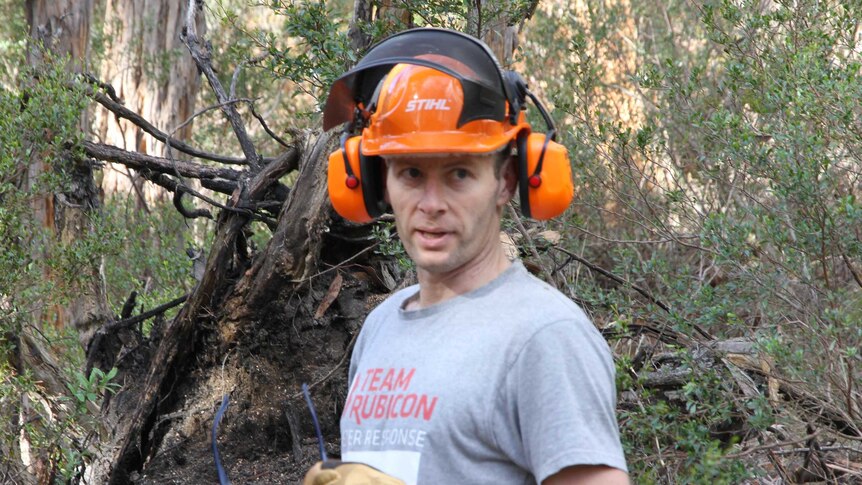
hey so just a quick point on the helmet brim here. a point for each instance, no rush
(438, 143)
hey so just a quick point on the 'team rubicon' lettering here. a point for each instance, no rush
(384, 394)
(427, 104)
(382, 406)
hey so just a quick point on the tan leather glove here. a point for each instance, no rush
(335, 472)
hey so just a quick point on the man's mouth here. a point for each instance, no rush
(431, 238)
(431, 234)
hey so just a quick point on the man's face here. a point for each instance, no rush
(447, 209)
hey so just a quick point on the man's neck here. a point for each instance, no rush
(436, 288)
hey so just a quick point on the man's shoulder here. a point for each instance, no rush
(526, 291)
(517, 297)
(515, 308)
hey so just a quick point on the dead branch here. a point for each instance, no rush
(129, 306)
(139, 161)
(219, 185)
(266, 127)
(816, 409)
(146, 315)
(185, 212)
(165, 181)
(529, 239)
(112, 93)
(362, 15)
(292, 256)
(772, 446)
(201, 56)
(96, 350)
(238, 69)
(856, 276)
(246, 208)
(663, 334)
(205, 110)
(614, 277)
(112, 104)
(179, 189)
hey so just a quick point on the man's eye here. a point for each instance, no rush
(413, 173)
(461, 173)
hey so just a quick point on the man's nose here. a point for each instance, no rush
(432, 200)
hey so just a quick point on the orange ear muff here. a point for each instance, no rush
(355, 182)
(344, 182)
(544, 176)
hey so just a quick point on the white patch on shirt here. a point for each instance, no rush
(400, 464)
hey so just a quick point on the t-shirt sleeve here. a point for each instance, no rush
(557, 406)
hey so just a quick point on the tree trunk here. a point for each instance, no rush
(59, 29)
(153, 73)
(498, 24)
(62, 28)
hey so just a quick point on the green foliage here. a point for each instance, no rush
(12, 42)
(41, 272)
(663, 430)
(56, 430)
(148, 255)
(716, 157)
(90, 389)
(716, 153)
(310, 47)
(388, 244)
(322, 52)
(40, 123)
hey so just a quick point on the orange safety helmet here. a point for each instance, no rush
(417, 112)
(436, 91)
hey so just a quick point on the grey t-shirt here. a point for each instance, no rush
(506, 384)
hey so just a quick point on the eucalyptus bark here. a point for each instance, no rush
(62, 28)
(153, 74)
(499, 24)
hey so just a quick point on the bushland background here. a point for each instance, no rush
(167, 241)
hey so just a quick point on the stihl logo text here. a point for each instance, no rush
(427, 104)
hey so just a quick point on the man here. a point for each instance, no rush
(481, 373)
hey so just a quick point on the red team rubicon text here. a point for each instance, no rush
(385, 394)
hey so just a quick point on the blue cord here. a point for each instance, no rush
(314, 419)
(222, 476)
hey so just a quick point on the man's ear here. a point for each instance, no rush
(509, 176)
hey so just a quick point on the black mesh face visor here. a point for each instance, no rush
(463, 57)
